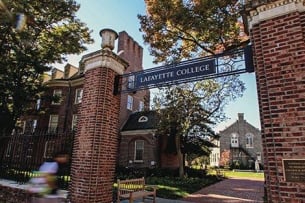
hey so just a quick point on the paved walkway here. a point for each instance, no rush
(231, 190)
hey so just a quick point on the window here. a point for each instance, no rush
(38, 104)
(131, 81)
(249, 141)
(74, 122)
(34, 125)
(234, 140)
(141, 106)
(22, 126)
(78, 96)
(139, 151)
(143, 119)
(53, 122)
(129, 102)
(48, 149)
(57, 96)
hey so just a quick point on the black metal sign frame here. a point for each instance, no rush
(228, 63)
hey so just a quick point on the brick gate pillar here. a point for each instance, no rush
(277, 31)
(95, 148)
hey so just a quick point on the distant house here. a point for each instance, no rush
(240, 145)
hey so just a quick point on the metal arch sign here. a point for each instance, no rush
(224, 64)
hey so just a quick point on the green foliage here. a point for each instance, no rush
(48, 31)
(179, 29)
(189, 111)
(176, 188)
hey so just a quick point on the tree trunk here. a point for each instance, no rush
(180, 157)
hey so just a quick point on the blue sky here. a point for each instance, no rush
(121, 15)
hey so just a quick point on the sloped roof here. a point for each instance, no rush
(235, 125)
(143, 120)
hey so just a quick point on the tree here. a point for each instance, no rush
(225, 158)
(187, 112)
(184, 29)
(33, 35)
(180, 29)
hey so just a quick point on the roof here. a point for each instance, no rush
(143, 120)
(236, 125)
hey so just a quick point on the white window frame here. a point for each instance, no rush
(74, 121)
(78, 96)
(58, 93)
(38, 104)
(249, 140)
(129, 102)
(34, 125)
(131, 81)
(234, 140)
(141, 106)
(53, 124)
(139, 148)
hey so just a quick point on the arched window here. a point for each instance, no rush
(234, 140)
(249, 140)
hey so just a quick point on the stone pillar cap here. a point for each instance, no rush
(108, 38)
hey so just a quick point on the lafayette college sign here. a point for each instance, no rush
(174, 73)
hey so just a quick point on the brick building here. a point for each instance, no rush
(239, 144)
(60, 103)
(58, 108)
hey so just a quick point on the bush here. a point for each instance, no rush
(195, 173)
(130, 172)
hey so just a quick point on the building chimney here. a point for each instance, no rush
(240, 117)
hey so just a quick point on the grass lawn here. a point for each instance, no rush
(175, 188)
(242, 174)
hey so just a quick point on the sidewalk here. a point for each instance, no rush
(231, 190)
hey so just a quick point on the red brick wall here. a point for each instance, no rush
(133, 54)
(127, 149)
(167, 160)
(95, 152)
(280, 68)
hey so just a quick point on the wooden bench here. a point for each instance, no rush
(133, 189)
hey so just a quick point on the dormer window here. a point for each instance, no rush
(143, 119)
